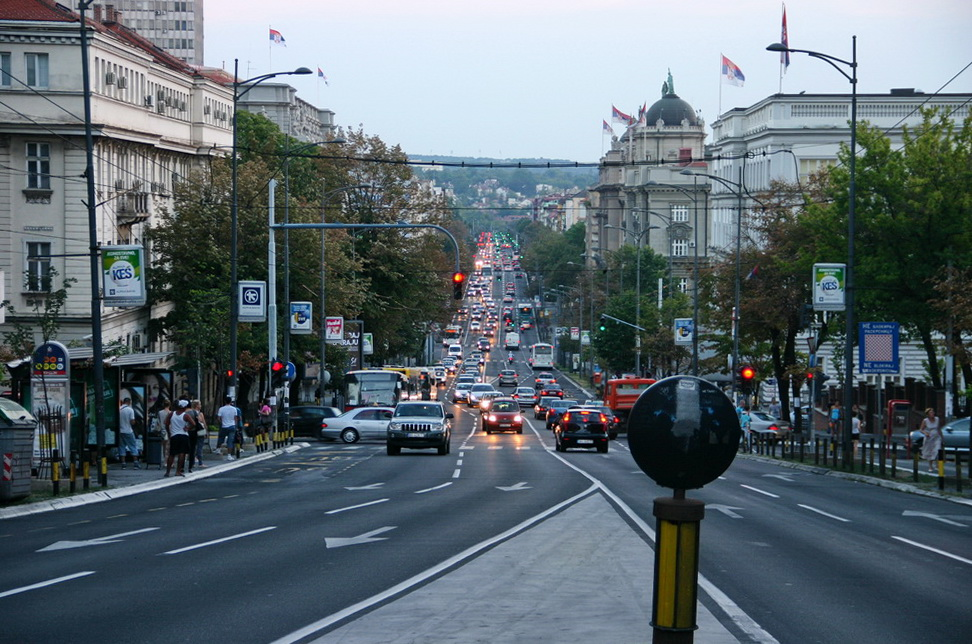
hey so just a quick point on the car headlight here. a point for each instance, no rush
(394, 426)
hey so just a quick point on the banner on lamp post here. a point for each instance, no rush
(829, 287)
(684, 330)
(334, 329)
(123, 275)
(301, 317)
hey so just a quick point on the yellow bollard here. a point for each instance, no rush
(676, 568)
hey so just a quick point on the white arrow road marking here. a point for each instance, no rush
(64, 545)
(513, 488)
(433, 489)
(367, 537)
(821, 512)
(778, 476)
(936, 517)
(373, 486)
(216, 541)
(355, 507)
(756, 489)
(42, 584)
(725, 509)
(935, 550)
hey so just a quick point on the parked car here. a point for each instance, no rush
(353, 425)
(503, 416)
(556, 408)
(763, 426)
(955, 435)
(540, 409)
(526, 396)
(419, 425)
(507, 377)
(305, 420)
(580, 427)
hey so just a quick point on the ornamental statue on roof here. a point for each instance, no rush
(668, 88)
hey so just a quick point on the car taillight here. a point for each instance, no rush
(774, 428)
(323, 425)
(603, 418)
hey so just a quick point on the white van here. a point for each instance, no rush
(512, 342)
(455, 351)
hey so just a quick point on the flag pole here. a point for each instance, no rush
(720, 86)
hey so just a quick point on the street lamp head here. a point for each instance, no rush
(301, 71)
(778, 46)
(689, 173)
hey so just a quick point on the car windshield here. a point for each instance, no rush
(526, 391)
(482, 387)
(562, 404)
(419, 410)
(505, 406)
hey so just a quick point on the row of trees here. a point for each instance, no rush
(913, 249)
(396, 282)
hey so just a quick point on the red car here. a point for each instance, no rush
(503, 416)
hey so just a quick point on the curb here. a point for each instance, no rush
(108, 494)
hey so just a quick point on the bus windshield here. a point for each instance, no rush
(373, 387)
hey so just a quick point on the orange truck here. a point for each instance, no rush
(620, 395)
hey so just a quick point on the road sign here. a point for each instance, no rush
(252, 299)
(829, 282)
(683, 432)
(334, 329)
(878, 347)
(684, 330)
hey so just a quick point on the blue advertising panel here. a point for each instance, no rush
(877, 346)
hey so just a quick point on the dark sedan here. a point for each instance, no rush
(584, 428)
(551, 390)
(305, 420)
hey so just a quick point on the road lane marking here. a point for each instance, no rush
(433, 489)
(455, 474)
(98, 541)
(217, 541)
(372, 486)
(367, 537)
(42, 584)
(495, 447)
(725, 509)
(826, 514)
(756, 489)
(935, 550)
(935, 517)
(459, 462)
(355, 507)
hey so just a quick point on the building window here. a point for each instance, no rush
(679, 248)
(36, 69)
(5, 77)
(682, 285)
(38, 267)
(39, 166)
(680, 213)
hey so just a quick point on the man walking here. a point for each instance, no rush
(126, 433)
(180, 424)
(228, 419)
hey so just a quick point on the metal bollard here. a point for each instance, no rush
(56, 472)
(958, 471)
(914, 470)
(894, 459)
(882, 457)
(870, 460)
(941, 469)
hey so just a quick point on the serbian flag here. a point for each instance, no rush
(731, 73)
(276, 38)
(620, 117)
(785, 55)
(607, 129)
(320, 74)
(753, 273)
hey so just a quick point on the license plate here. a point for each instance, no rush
(585, 441)
(505, 425)
(417, 435)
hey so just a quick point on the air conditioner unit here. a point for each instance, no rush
(122, 82)
(109, 78)
(156, 187)
(206, 109)
(182, 106)
(160, 95)
(149, 100)
(160, 108)
(119, 184)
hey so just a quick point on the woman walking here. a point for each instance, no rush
(931, 427)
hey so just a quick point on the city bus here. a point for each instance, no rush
(370, 387)
(542, 356)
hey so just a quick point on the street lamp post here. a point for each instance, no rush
(640, 235)
(738, 278)
(234, 214)
(851, 231)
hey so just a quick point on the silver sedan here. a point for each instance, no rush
(363, 422)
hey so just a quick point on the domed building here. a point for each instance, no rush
(642, 197)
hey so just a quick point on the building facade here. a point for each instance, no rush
(154, 119)
(174, 25)
(294, 116)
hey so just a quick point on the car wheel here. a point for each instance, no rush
(602, 448)
(519, 430)
(443, 449)
(350, 435)
(488, 432)
(393, 450)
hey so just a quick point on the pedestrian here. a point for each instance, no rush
(240, 434)
(265, 420)
(836, 415)
(202, 434)
(774, 409)
(228, 419)
(163, 423)
(857, 423)
(126, 433)
(179, 425)
(931, 427)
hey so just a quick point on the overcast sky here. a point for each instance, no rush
(535, 78)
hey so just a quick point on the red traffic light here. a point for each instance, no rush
(458, 277)
(747, 374)
(276, 366)
(809, 375)
(229, 373)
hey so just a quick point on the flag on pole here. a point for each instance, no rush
(785, 55)
(320, 74)
(620, 117)
(276, 38)
(731, 73)
(607, 129)
(753, 273)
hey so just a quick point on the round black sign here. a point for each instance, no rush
(683, 432)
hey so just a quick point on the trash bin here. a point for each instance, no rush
(153, 449)
(17, 427)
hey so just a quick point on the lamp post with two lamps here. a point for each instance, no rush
(234, 213)
(851, 77)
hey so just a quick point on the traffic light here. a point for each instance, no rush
(278, 372)
(810, 376)
(229, 375)
(602, 327)
(458, 280)
(746, 376)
